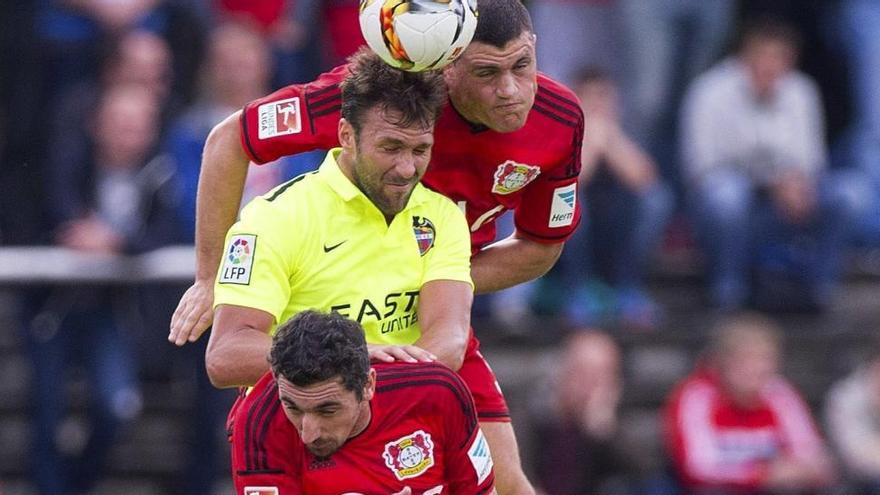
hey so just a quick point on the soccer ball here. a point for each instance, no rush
(417, 35)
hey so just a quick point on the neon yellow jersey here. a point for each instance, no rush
(317, 242)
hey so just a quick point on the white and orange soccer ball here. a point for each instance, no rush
(417, 35)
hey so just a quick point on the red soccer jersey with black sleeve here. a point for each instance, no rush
(532, 171)
(423, 433)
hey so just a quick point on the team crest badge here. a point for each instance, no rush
(410, 456)
(425, 233)
(511, 177)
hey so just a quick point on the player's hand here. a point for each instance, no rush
(194, 313)
(406, 491)
(407, 353)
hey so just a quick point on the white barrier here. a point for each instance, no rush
(34, 265)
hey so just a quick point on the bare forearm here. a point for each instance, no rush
(239, 360)
(448, 349)
(444, 318)
(510, 262)
(224, 168)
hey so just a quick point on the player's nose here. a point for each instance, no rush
(311, 430)
(506, 86)
(405, 167)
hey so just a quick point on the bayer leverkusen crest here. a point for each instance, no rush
(424, 232)
(410, 456)
(511, 177)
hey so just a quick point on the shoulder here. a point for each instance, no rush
(697, 390)
(262, 435)
(285, 200)
(799, 85)
(557, 102)
(436, 202)
(427, 384)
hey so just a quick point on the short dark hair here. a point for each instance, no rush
(418, 96)
(768, 27)
(312, 347)
(501, 21)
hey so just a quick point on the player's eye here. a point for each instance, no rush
(421, 150)
(328, 412)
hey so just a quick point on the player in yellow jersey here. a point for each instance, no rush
(360, 236)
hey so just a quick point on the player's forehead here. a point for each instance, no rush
(314, 395)
(480, 54)
(386, 125)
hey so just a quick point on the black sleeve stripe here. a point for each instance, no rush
(262, 418)
(319, 92)
(549, 113)
(497, 414)
(544, 91)
(252, 419)
(245, 472)
(464, 400)
(335, 98)
(287, 185)
(263, 461)
(547, 102)
(247, 135)
(310, 104)
(327, 111)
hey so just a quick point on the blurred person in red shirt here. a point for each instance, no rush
(736, 425)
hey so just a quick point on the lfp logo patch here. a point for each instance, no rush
(410, 456)
(279, 118)
(239, 260)
(425, 234)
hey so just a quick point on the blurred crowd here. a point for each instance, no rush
(744, 135)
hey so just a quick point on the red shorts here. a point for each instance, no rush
(480, 379)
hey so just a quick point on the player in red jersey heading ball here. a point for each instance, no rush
(509, 139)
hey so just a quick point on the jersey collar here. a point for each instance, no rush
(343, 186)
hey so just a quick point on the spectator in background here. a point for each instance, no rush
(139, 58)
(852, 412)
(290, 27)
(116, 200)
(237, 70)
(860, 33)
(736, 425)
(574, 34)
(579, 452)
(755, 160)
(628, 206)
(668, 43)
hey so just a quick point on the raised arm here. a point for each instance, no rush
(221, 181)
(239, 345)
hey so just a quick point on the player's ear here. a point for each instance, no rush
(370, 386)
(346, 135)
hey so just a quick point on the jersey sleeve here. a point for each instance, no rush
(550, 209)
(294, 119)
(469, 466)
(258, 262)
(449, 259)
(266, 457)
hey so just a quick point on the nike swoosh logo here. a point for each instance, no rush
(327, 248)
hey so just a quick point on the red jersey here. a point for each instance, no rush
(532, 171)
(423, 433)
(716, 444)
